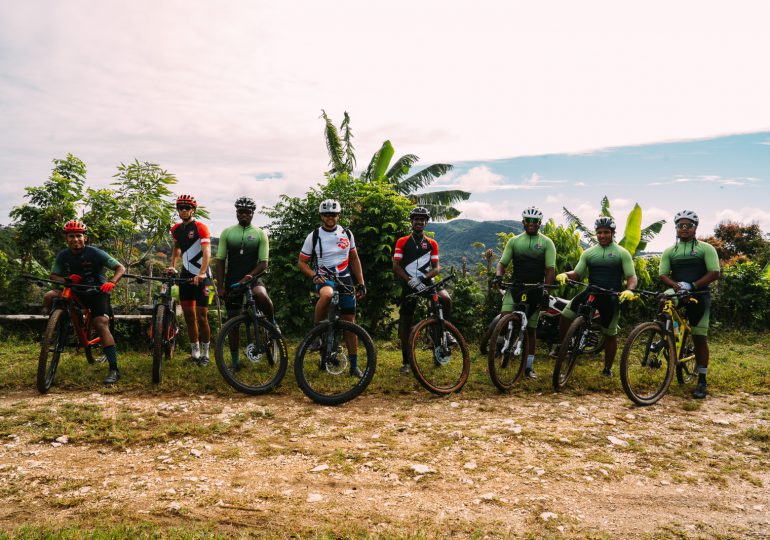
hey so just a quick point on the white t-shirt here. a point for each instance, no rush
(332, 250)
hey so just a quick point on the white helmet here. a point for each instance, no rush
(329, 206)
(686, 214)
(532, 212)
(604, 222)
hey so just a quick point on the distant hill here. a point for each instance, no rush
(455, 238)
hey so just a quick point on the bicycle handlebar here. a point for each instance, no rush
(248, 283)
(169, 279)
(595, 288)
(69, 285)
(430, 288)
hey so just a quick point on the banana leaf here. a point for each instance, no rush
(633, 232)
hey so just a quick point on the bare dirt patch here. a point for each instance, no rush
(496, 466)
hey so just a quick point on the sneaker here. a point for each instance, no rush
(195, 352)
(203, 361)
(112, 376)
(235, 368)
(405, 369)
(607, 372)
(356, 372)
(700, 391)
(529, 373)
(554, 353)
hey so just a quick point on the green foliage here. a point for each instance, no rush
(634, 239)
(376, 215)
(742, 296)
(737, 241)
(4, 274)
(468, 307)
(342, 160)
(566, 239)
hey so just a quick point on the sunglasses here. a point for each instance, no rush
(329, 214)
(184, 207)
(244, 211)
(531, 220)
(685, 226)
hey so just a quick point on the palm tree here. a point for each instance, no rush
(635, 238)
(342, 160)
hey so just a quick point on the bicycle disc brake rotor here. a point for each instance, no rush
(337, 363)
(253, 353)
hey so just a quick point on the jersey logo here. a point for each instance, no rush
(251, 237)
(424, 245)
(693, 253)
(343, 242)
(538, 246)
(190, 234)
(611, 254)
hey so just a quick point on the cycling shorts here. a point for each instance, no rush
(532, 298)
(607, 305)
(97, 303)
(195, 295)
(234, 299)
(347, 303)
(698, 314)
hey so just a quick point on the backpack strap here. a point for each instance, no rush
(316, 242)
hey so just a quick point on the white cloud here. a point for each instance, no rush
(746, 215)
(478, 180)
(481, 211)
(553, 199)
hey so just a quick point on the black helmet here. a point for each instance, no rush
(246, 202)
(419, 211)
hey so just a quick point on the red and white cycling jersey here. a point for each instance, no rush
(190, 238)
(332, 250)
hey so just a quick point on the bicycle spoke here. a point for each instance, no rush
(646, 368)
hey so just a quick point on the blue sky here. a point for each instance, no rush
(228, 97)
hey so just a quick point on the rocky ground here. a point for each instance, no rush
(413, 465)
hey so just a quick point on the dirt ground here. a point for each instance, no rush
(412, 465)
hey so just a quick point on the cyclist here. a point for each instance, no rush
(192, 243)
(334, 250)
(534, 259)
(607, 264)
(243, 249)
(415, 261)
(690, 265)
(82, 264)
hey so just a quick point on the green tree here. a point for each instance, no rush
(566, 240)
(635, 238)
(342, 160)
(377, 217)
(736, 242)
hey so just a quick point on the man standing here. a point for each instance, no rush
(334, 249)
(84, 265)
(606, 264)
(415, 261)
(534, 258)
(690, 265)
(242, 253)
(192, 243)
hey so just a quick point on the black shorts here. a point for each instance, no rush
(607, 305)
(97, 303)
(407, 305)
(197, 295)
(234, 299)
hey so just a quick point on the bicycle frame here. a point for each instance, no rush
(436, 309)
(80, 317)
(675, 325)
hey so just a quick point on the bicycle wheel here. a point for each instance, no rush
(323, 368)
(571, 347)
(686, 366)
(158, 336)
(251, 355)
(488, 333)
(594, 339)
(51, 348)
(440, 359)
(172, 328)
(646, 365)
(509, 356)
(95, 353)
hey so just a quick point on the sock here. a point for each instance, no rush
(353, 361)
(530, 361)
(112, 356)
(701, 374)
(234, 356)
(205, 348)
(196, 350)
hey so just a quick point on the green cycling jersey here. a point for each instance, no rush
(531, 255)
(606, 266)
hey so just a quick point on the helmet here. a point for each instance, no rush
(604, 222)
(420, 211)
(75, 226)
(532, 212)
(686, 214)
(329, 206)
(246, 202)
(187, 199)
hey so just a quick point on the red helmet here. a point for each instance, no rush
(75, 226)
(186, 199)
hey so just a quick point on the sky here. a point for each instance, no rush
(547, 103)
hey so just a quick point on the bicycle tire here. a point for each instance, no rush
(261, 360)
(90, 357)
(570, 348)
(53, 343)
(594, 339)
(686, 366)
(505, 368)
(647, 365)
(435, 367)
(487, 334)
(158, 336)
(172, 328)
(327, 381)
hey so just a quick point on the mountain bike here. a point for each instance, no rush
(322, 366)
(250, 351)
(655, 350)
(163, 326)
(508, 357)
(579, 338)
(438, 353)
(68, 318)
